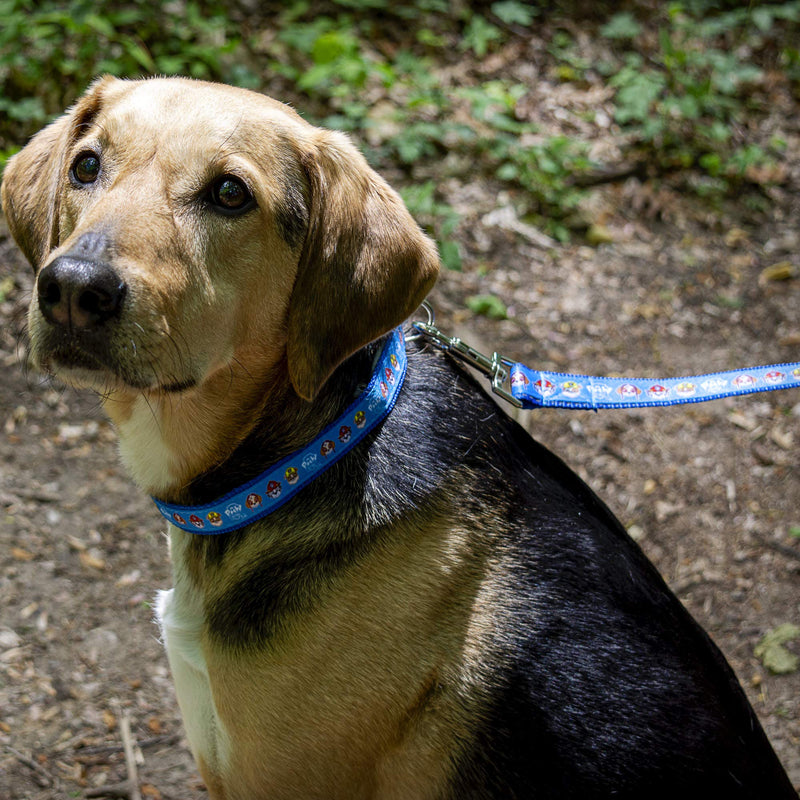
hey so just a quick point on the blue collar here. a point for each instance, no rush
(281, 482)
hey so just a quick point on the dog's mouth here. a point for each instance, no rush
(90, 362)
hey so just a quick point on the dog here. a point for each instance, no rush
(447, 611)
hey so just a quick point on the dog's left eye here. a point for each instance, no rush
(86, 168)
(230, 195)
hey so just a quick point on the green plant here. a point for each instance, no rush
(50, 51)
(479, 35)
(331, 59)
(487, 305)
(684, 101)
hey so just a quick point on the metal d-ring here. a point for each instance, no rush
(494, 368)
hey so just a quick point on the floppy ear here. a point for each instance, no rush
(365, 265)
(30, 188)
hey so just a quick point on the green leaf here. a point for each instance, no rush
(100, 25)
(330, 46)
(138, 53)
(711, 163)
(450, 255)
(637, 95)
(621, 26)
(772, 653)
(795, 531)
(479, 34)
(762, 17)
(487, 305)
(507, 172)
(430, 39)
(512, 12)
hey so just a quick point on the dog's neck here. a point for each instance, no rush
(197, 445)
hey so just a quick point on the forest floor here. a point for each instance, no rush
(709, 491)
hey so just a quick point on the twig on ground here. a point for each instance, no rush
(110, 790)
(783, 549)
(128, 788)
(142, 744)
(128, 744)
(41, 773)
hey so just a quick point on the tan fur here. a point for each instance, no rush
(197, 315)
(200, 312)
(355, 687)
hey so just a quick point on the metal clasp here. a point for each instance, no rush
(495, 368)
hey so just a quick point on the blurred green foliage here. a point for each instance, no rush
(406, 77)
(50, 51)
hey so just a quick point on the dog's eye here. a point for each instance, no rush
(86, 168)
(230, 195)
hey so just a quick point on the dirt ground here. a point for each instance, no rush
(710, 491)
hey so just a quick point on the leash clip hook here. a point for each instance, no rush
(495, 368)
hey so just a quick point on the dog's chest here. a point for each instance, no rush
(346, 702)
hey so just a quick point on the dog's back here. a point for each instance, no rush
(542, 657)
(602, 683)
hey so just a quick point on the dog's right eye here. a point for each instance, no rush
(230, 195)
(86, 168)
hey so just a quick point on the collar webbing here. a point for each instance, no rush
(279, 483)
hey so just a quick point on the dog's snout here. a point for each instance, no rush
(79, 294)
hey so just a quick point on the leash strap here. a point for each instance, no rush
(538, 389)
(530, 388)
(281, 482)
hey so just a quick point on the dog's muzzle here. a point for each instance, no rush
(79, 291)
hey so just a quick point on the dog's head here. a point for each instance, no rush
(176, 226)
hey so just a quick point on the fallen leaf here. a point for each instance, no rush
(599, 234)
(21, 555)
(736, 237)
(92, 559)
(742, 421)
(76, 544)
(6, 287)
(783, 439)
(772, 653)
(782, 271)
(9, 639)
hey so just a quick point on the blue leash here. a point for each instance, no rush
(535, 388)
(531, 388)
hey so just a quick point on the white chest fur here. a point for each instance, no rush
(180, 616)
(143, 448)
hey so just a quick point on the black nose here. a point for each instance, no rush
(79, 294)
